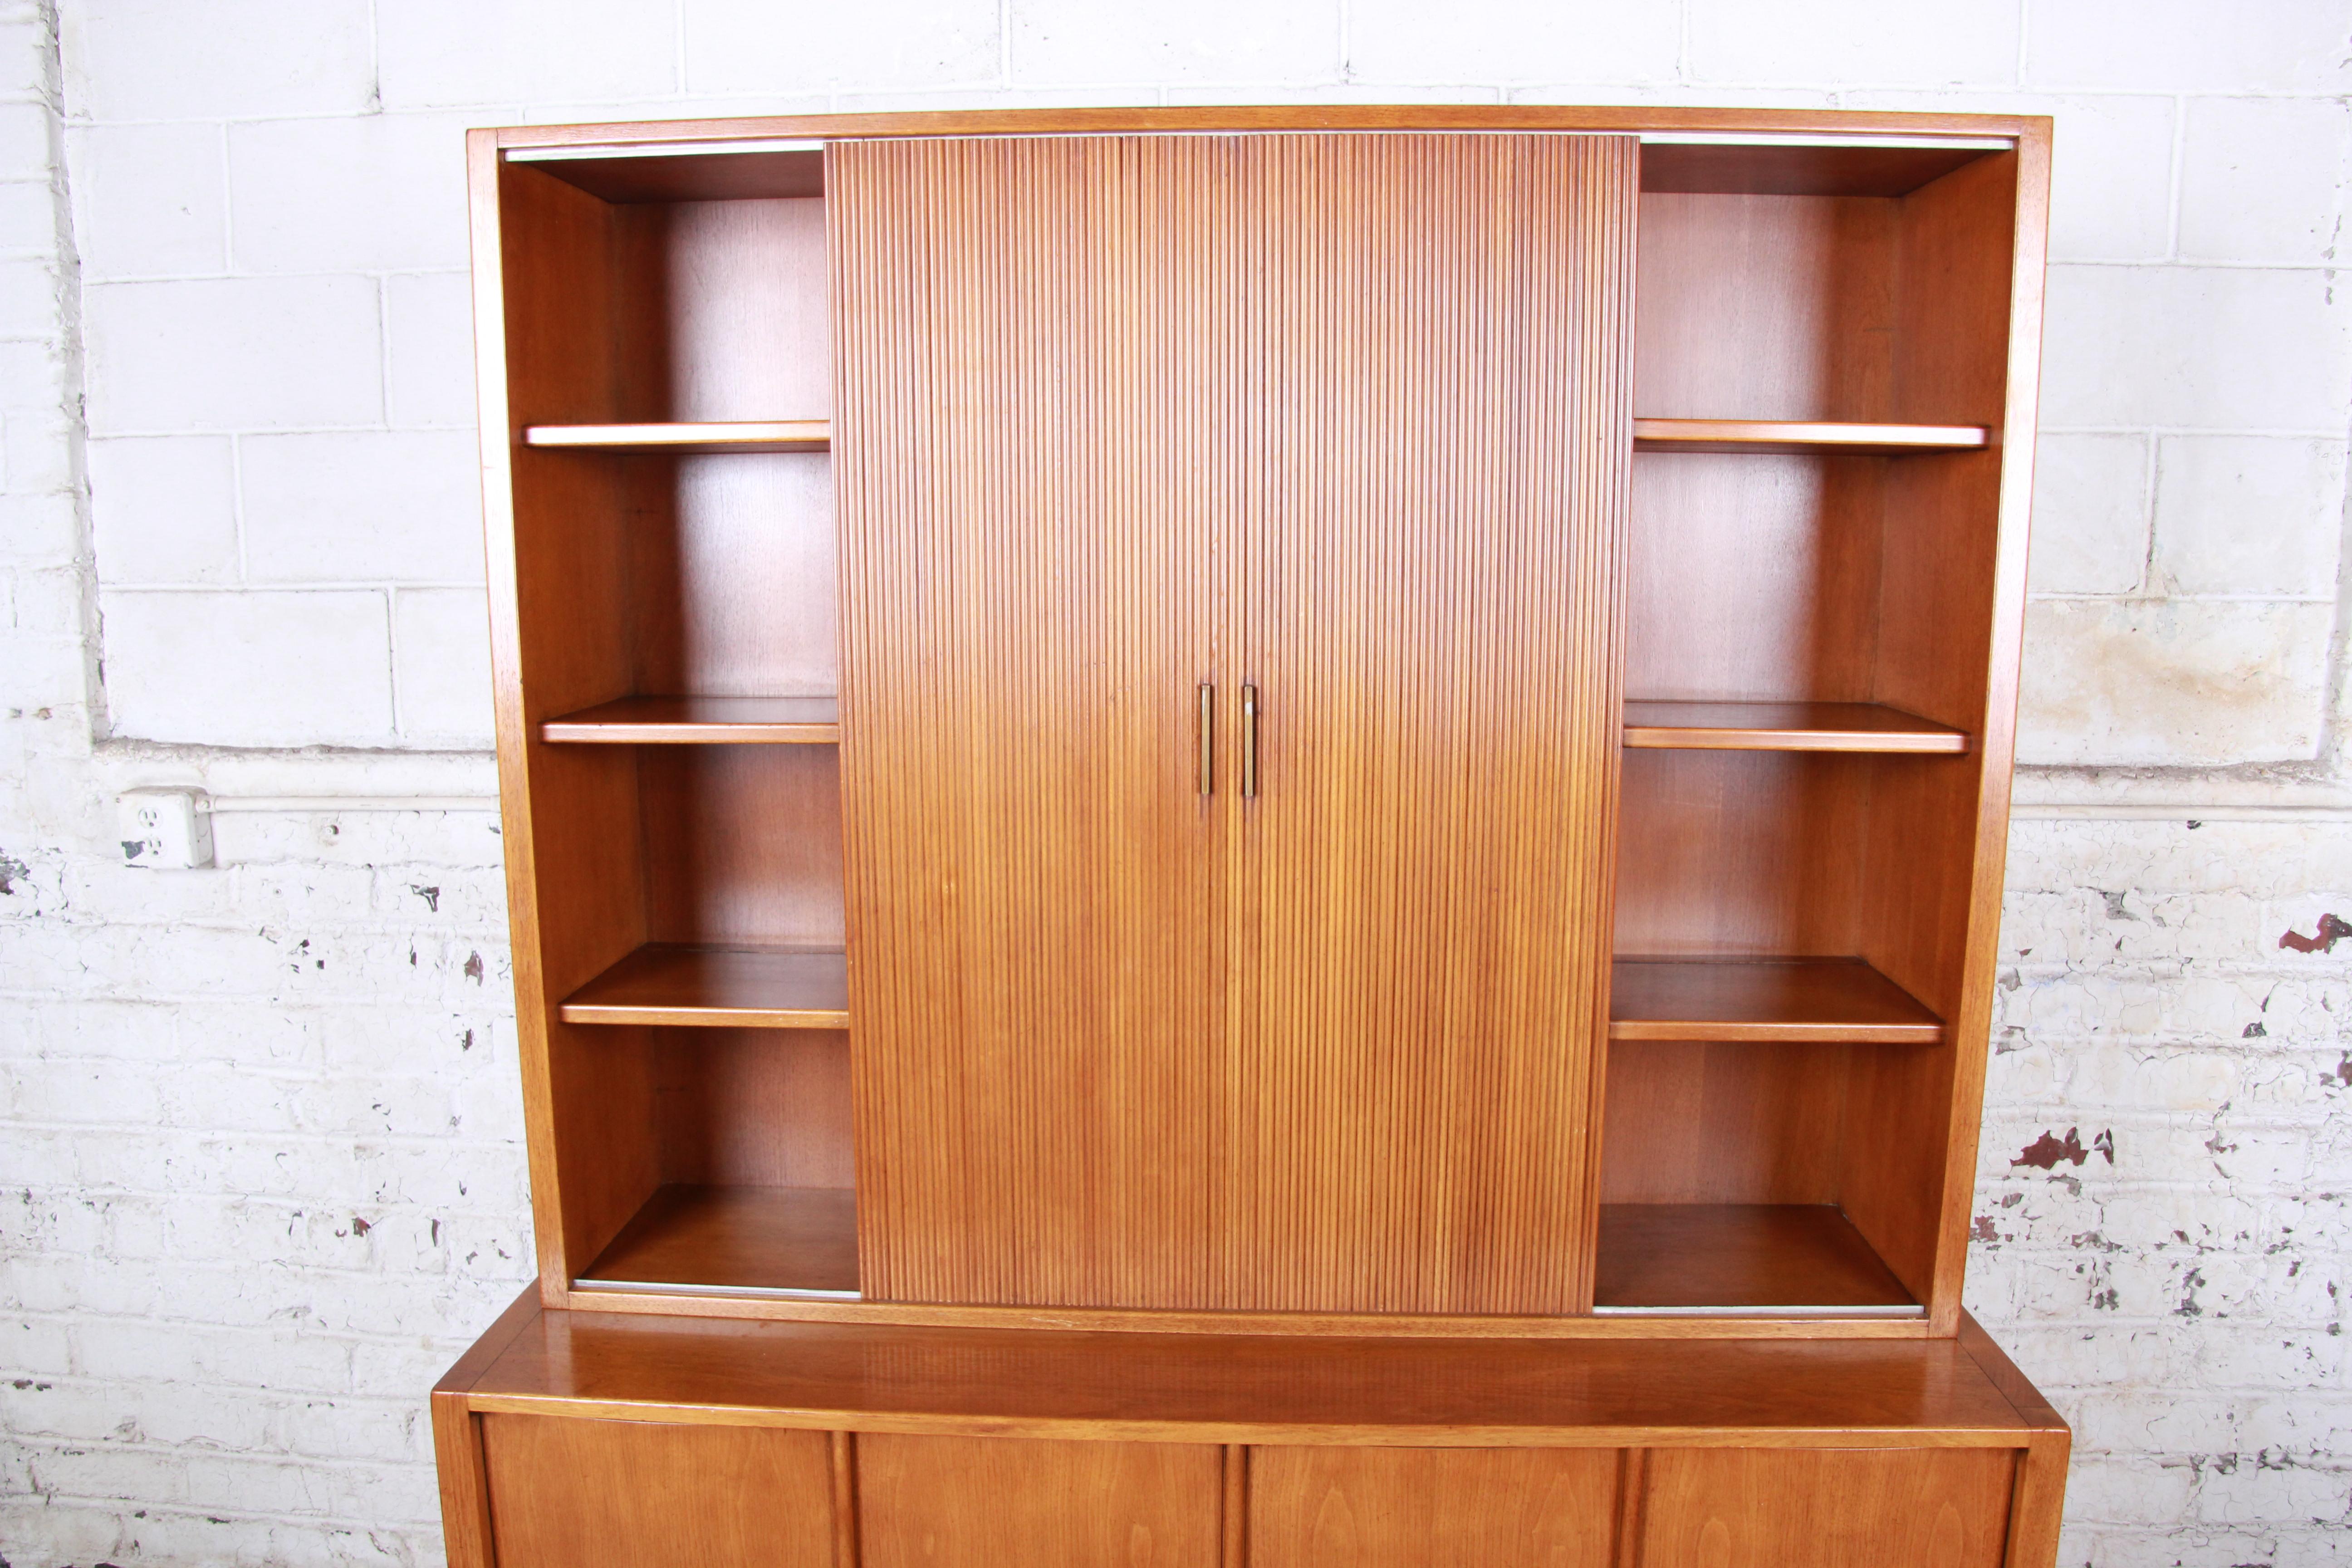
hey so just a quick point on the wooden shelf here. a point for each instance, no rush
(702, 721)
(1787, 727)
(1804, 437)
(798, 1241)
(717, 988)
(1836, 1001)
(741, 436)
(1760, 1259)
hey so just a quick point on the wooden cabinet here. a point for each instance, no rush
(1255, 835)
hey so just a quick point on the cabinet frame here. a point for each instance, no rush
(1791, 151)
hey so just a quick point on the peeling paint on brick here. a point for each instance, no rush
(2325, 935)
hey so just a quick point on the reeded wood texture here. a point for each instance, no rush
(1421, 909)
(1432, 1507)
(1249, 1388)
(611, 1494)
(986, 1502)
(1857, 1509)
(1038, 428)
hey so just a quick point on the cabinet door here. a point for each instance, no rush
(1030, 448)
(1424, 875)
(1432, 1507)
(1747, 1508)
(633, 1494)
(987, 1502)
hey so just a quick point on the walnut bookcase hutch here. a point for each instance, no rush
(1254, 836)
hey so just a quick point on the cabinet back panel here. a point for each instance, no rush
(743, 844)
(1752, 306)
(1698, 1123)
(725, 315)
(733, 581)
(1741, 853)
(1753, 578)
(763, 1108)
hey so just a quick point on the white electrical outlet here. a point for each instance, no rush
(165, 829)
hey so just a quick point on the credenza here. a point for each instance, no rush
(1254, 836)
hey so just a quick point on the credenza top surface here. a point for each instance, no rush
(1243, 1388)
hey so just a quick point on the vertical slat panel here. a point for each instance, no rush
(1022, 450)
(1355, 408)
(1433, 626)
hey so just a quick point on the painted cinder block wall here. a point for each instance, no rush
(261, 1164)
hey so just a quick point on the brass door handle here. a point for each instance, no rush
(1249, 741)
(1208, 739)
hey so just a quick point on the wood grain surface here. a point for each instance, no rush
(717, 987)
(713, 436)
(1432, 1507)
(1829, 1000)
(680, 137)
(610, 1494)
(1245, 1388)
(1863, 1509)
(1702, 1122)
(701, 720)
(1739, 1256)
(985, 1502)
(1786, 727)
(753, 1108)
(1801, 437)
(737, 1237)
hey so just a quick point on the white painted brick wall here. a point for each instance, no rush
(261, 1176)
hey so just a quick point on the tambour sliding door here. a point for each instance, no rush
(1421, 880)
(1341, 419)
(1030, 429)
